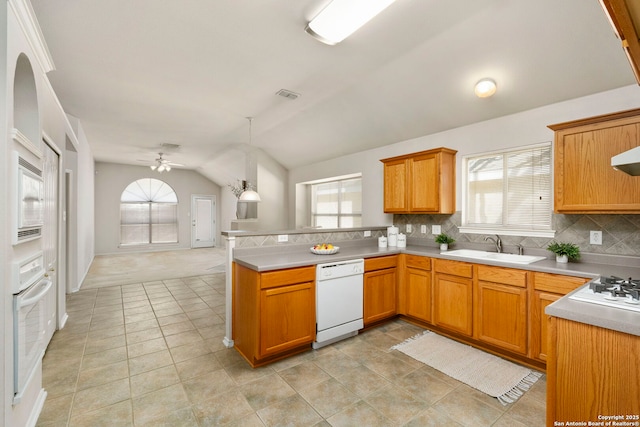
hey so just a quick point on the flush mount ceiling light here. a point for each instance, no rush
(485, 88)
(341, 18)
(249, 195)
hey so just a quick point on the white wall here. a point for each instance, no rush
(22, 38)
(528, 127)
(110, 181)
(85, 218)
(272, 183)
(6, 337)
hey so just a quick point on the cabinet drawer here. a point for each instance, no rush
(557, 283)
(291, 276)
(455, 268)
(379, 263)
(421, 262)
(507, 276)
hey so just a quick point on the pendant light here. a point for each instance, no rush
(249, 195)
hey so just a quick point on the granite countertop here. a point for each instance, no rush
(627, 321)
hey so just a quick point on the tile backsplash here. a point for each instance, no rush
(620, 233)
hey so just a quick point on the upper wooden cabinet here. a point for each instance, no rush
(585, 181)
(624, 15)
(421, 182)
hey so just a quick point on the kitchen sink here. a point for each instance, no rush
(494, 256)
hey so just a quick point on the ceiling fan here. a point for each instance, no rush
(163, 164)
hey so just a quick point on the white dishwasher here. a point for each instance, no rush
(339, 301)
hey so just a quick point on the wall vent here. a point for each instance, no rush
(288, 94)
(29, 234)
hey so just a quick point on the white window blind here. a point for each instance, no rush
(509, 192)
(337, 204)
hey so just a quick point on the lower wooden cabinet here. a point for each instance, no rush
(453, 296)
(285, 320)
(501, 308)
(592, 372)
(417, 288)
(274, 313)
(380, 286)
(546, 289)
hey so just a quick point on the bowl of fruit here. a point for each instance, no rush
(324, 249)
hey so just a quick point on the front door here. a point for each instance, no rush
(203, 223)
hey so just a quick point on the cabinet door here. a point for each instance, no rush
(501, 318)
(592, 372)
(453, 299)
(424, 188)
(287, 317)
(539, 322)
(379, 295)
(584, 179)
(395, 186)
(418, 293)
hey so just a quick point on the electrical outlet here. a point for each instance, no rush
(436, 229)
(423, 229)
(367, 233)
(282, 238)
(595, 237)
(409, 228)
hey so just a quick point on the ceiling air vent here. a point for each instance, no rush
(288, 94)
(169, 148)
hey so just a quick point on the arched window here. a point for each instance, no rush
(148, 213)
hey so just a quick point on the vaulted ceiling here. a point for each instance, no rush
(146, 72)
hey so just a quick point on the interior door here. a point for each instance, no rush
(203, 223)
(50, 237)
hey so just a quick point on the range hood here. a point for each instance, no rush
(628, 161)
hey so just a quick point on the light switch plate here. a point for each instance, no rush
(595, 237)
(423, 229)
(367, 233)
(282, 238)
(409, 228)
(436, 229)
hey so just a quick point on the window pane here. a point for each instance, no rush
(134, 220)
(164, 220)
(337, 204)
(484, 202)
(351, 197)
(511, 190)
(326, 198)
(350, 221)
(326, 221)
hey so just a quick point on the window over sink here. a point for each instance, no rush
(508, 192)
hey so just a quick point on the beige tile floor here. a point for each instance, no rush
(151, 354)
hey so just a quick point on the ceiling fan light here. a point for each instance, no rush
(167, 168)
(341, 18)
(161, 168)
(153, 167)
(249, 196)
(485, 88)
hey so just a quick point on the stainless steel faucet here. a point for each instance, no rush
(497, 241)
(520, 249)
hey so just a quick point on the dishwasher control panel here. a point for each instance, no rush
(332, 270)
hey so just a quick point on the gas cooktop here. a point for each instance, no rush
(611, 291)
